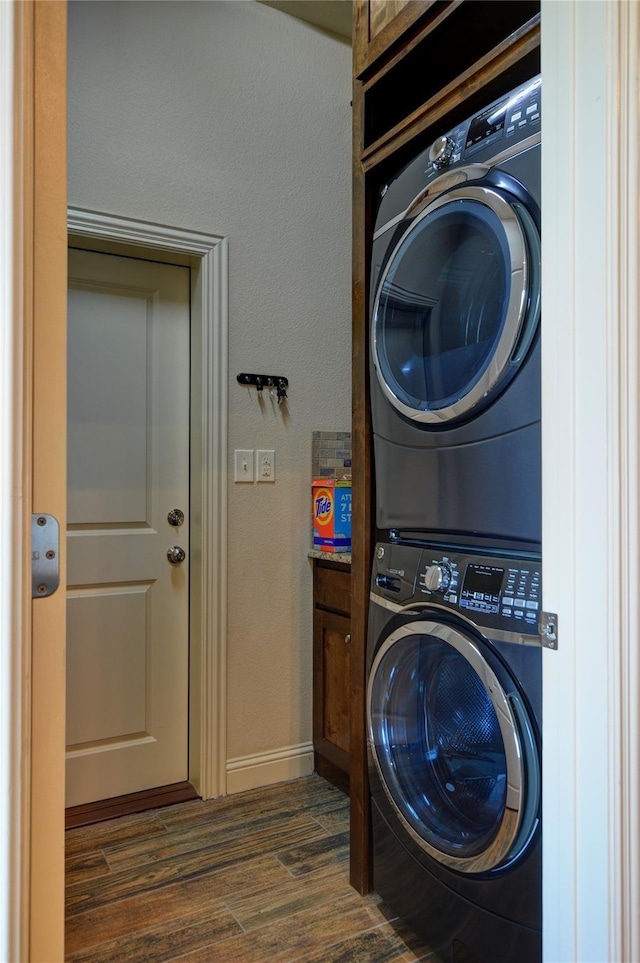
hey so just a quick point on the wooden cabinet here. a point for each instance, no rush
(331, 666)
(381, 23)
(434, 60)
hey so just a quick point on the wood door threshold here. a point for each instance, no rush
(135, 802)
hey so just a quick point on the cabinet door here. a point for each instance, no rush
(331, 689)
(380, 23)
(382, 13)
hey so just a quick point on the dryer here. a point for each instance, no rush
(455, 310)
(454, 720)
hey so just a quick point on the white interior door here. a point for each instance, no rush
(128, 467)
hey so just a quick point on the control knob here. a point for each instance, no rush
(437, 578)
(440, 152)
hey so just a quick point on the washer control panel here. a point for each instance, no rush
(500, 592)
(494, 591)
(439, 575)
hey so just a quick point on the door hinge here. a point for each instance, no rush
(45, 555)
(548, 630)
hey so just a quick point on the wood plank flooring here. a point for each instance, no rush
(255, 877)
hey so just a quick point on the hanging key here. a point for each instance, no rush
(282, 391)
(259, 385)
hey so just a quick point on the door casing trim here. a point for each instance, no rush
(207, 256)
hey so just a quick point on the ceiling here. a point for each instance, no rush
(332, 15)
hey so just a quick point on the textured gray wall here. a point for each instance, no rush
(233, 118)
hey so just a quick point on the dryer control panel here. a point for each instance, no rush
(481, 139)
(512, 118)
(499, 592)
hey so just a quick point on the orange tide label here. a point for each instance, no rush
(323, 506)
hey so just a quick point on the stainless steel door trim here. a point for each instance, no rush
(517, 304)
(500, 849)
(387, 227)
(450, 178)
(386, 603)
(514, 149)
(446, 181)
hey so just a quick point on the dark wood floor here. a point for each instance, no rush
(258, 876)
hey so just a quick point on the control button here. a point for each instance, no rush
(440, 152)
(531, 605)
(507, 612)
(507, 601)
(522, 123)
(531, 108)
(516, 116)
(535, 117)
(437, 578)
(519, 603)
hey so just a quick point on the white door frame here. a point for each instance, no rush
(591, 481)
(206, 254)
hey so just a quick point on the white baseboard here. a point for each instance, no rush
(266, 768)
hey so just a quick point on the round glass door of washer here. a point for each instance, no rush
(455, 753)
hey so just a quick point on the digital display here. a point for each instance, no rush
(482, 578)
(481, 588)
(485, 124)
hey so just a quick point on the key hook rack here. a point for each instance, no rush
(262, 381)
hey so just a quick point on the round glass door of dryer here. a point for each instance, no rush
(456, 753)
(457, 304)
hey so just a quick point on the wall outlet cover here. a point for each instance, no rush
(265, 465)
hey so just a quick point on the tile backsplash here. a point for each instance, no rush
(331, 454)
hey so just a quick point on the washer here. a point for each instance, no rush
(455, 309)
(454, 719)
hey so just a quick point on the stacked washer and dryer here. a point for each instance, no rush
(454, 660)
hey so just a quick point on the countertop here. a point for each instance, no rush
(344, 557)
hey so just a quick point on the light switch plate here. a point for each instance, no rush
(243, 465)
(265, 465)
